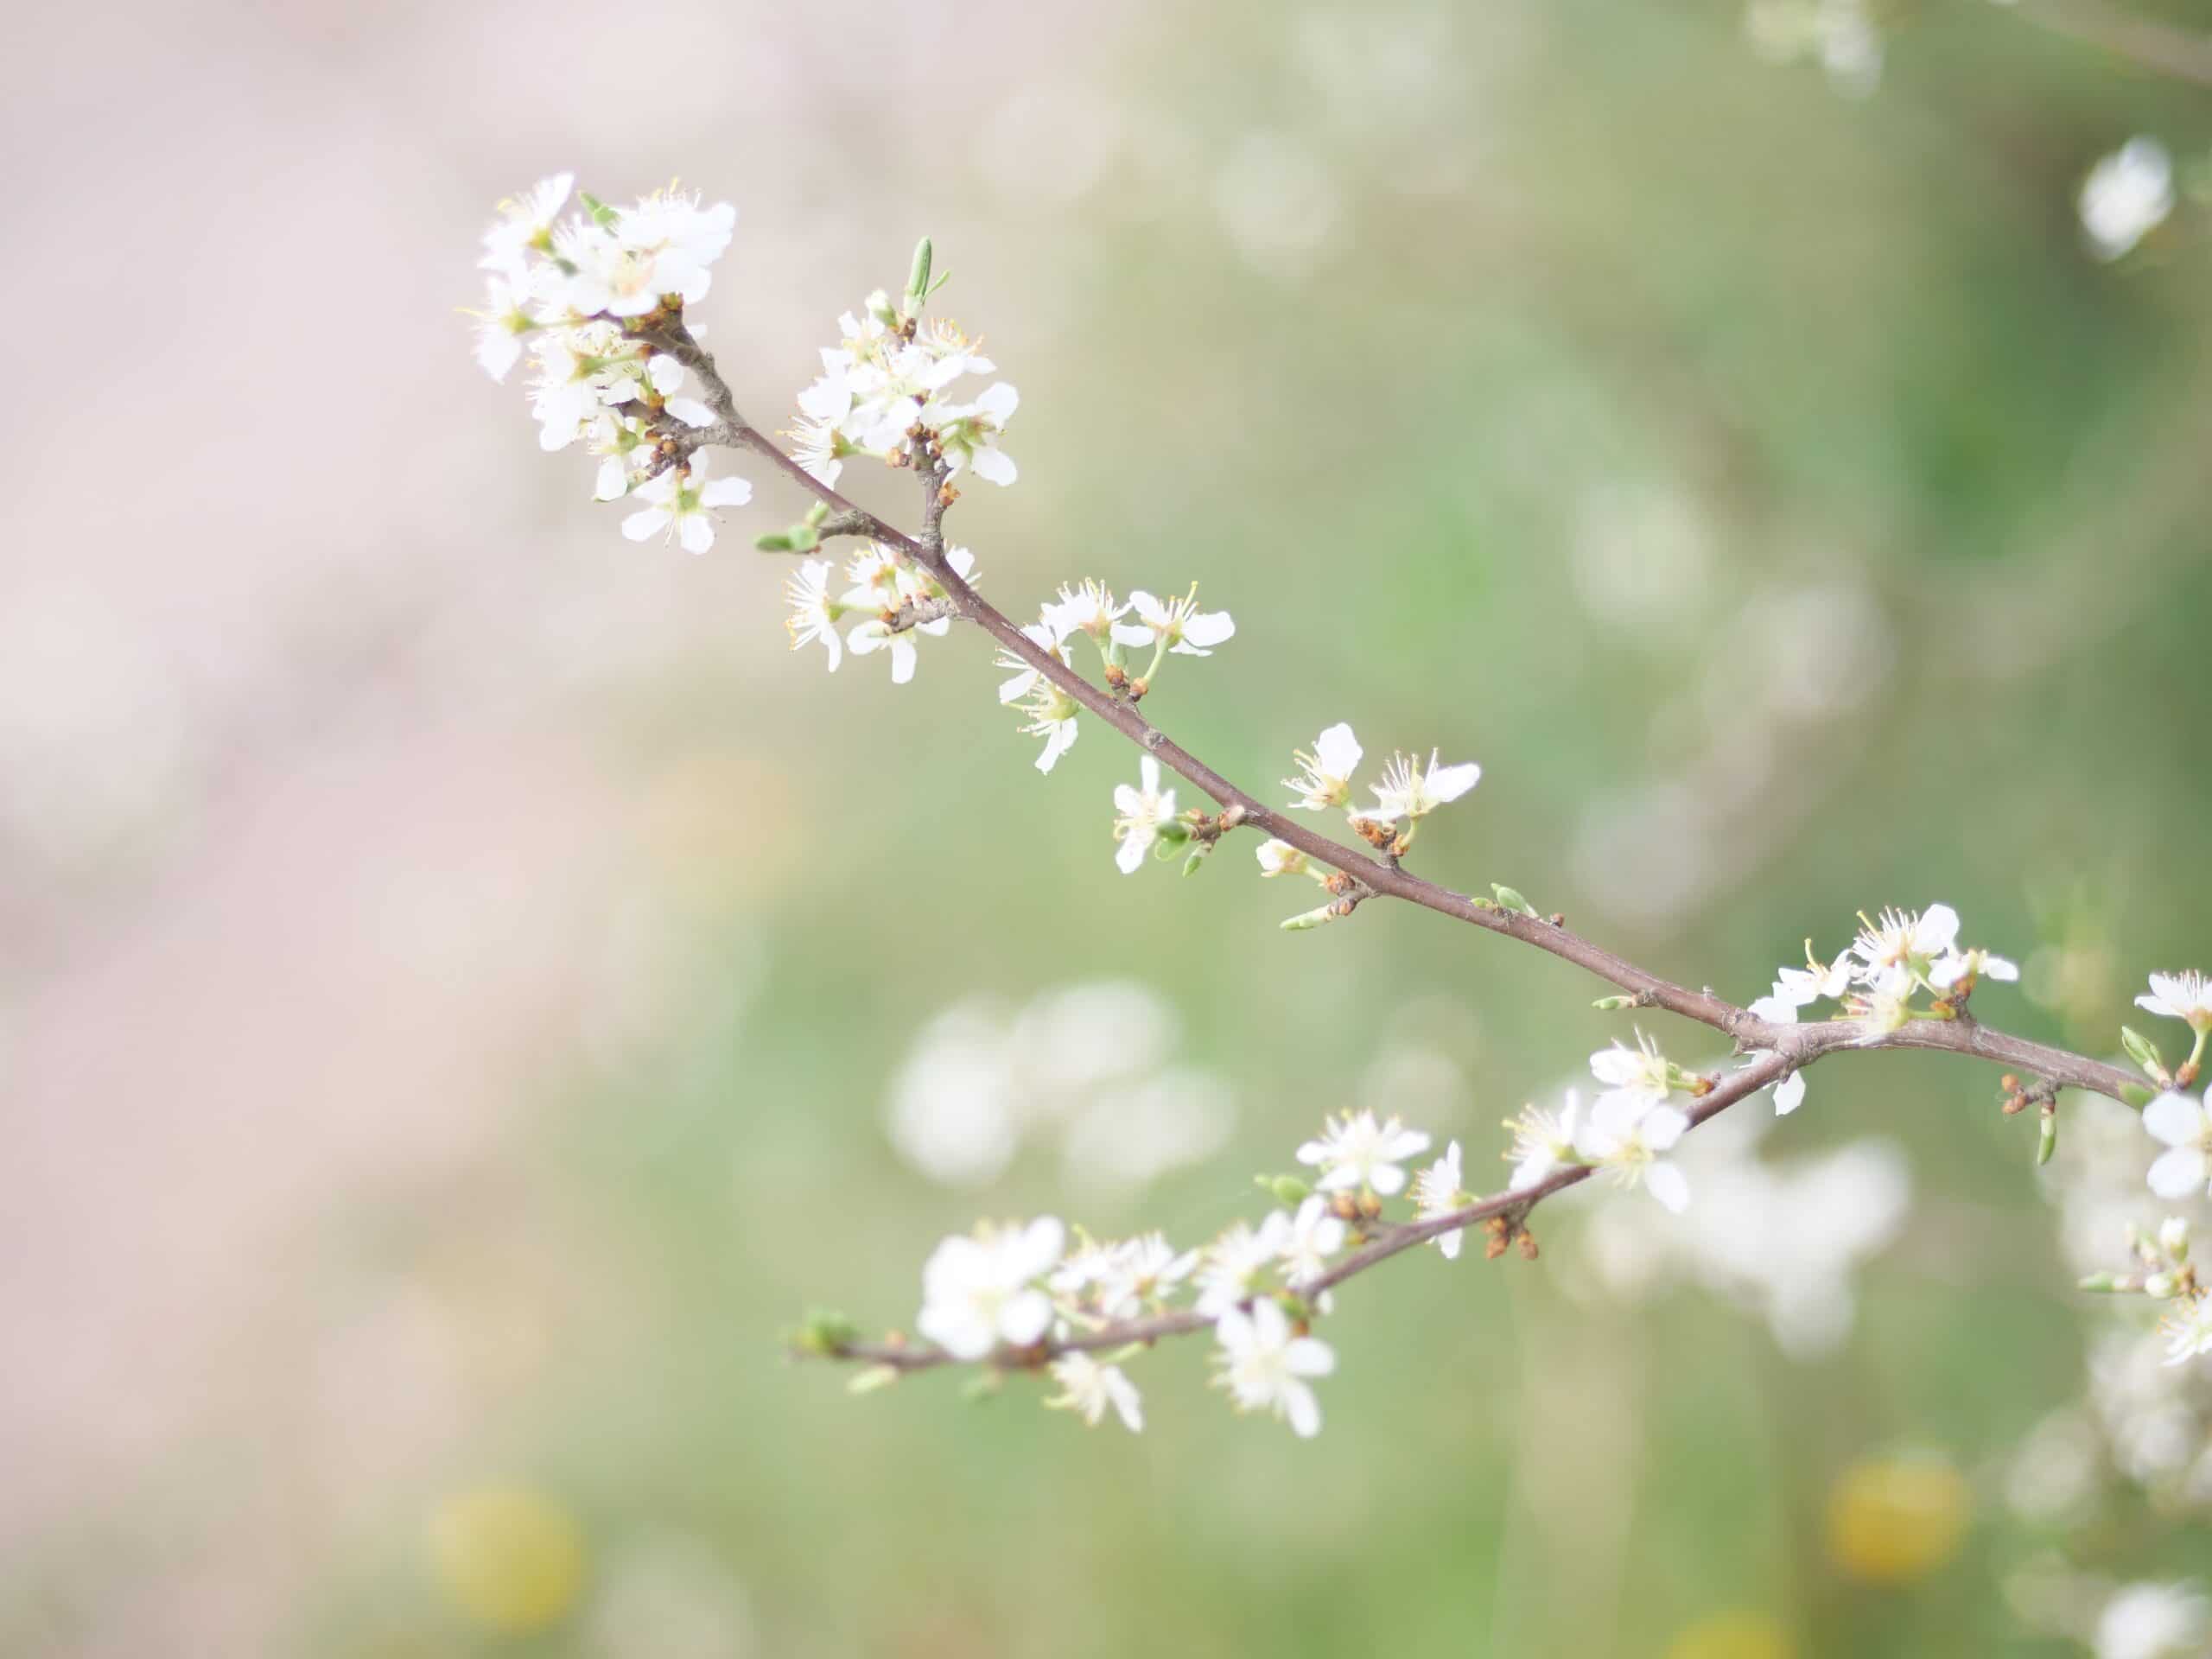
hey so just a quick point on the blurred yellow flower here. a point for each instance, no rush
(511, 1558)
(1733, 1635)
(1893, 1520)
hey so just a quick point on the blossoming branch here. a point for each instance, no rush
(599, 301)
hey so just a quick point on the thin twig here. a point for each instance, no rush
(1779, 1049)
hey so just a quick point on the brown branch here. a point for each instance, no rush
(1389, 1242)
(1780, 1049)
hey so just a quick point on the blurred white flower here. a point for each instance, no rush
(1140, 814)
(523, 226)
(2127, 196)
(1089, 1387)
(2153, 1621)
(1642, 1074)
(1784, 1239)
(979, 1289)
(1133, 1133)
(1264, 1367)
(1543, 1141)
(1090, 1064)
(1630, 1136)
(1324, 776)
(1956, 964)
(2185, 1169)
(1353, 1150)
(667, 1598)
(1279, 858)
(667, 243)
(2188, 1329)
(1436, 1192)
(1315, 1236)
(1139, 1271)
(1230, 1268)
(1279, 204)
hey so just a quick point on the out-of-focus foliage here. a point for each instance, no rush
(460, 972)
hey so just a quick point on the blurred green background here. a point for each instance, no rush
(451, 1048)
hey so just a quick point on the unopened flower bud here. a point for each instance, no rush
(2173, 1238)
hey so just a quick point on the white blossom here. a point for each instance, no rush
(1051, 712)
(1957, 964)
(506, 320)
(2127, 195)
(1279, 858)
(1089, 608)
(968, 434)
(681, 501)
(1642, 1073)
(1139, 815)
(665, 245)
(1436, 1192)
(1815, 981)
(814, 616)
(1089, 1388)
(2153, 1621)
(524, 226)
(1264, 1367)
(1141, 1270)
(1230, 1268)
(1900, 948)
(1315, 1235)
(2186, 995)
(1355, 1151)
(2188, 1329)
(1630, 1136)
(1178, 624)
(1411, 791)
(624, 445)
(1543, 1141)
(979, 1289)
(2184, 1125)
(1324, 776)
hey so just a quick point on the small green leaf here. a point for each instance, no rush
(918, 278)
(1610, 1003)
(2143, 1052)
(1510, 900)
(875, 1378)
(1285, 1189)
(2047, 1140)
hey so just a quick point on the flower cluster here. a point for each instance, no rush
(1170, 628)
(1629, 1130)
(2165, 1273)
(583, 295)
(1409, 792)
(895, 598)
(889, 389)
(1020, 1296)
(1894, 960)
